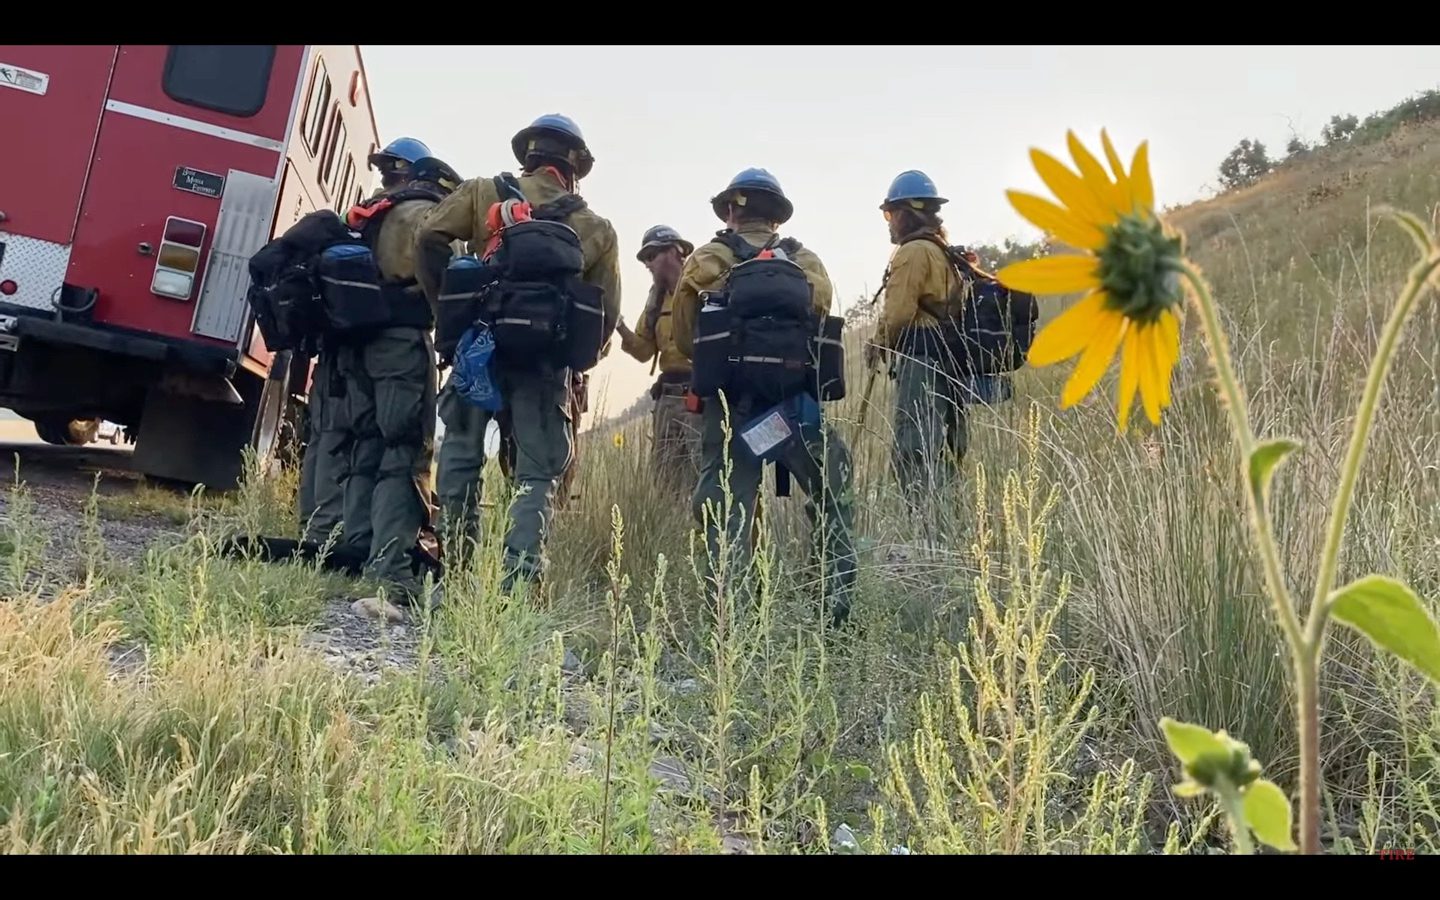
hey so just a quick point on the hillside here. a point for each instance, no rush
(1018, 640)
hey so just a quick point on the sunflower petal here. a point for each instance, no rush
(1060, 274)
(1057, 220)
(1070, 189)
(1094, 175)
(1129, 378)
(1149, 383)
(1141, 188)
(1162, 362)
(1122, 181)
(1096, 358)
(1068, 333)
(1171, 325)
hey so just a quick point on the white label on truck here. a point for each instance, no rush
(23, 79)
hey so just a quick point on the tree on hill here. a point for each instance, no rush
(1338, 129)
(1245, 165)
(1249, 162)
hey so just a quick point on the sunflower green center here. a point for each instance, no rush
(1140, 268)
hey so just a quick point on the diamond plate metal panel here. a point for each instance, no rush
(38, 267)
(247, 209)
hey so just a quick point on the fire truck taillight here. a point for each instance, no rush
(8, 287)
(179, 259)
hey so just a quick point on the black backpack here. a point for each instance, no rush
(284, 290)
(532, 296)
(320, 278)
(756, 337)
(989, 328)
(358, 297)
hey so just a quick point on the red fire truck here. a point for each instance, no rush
(135, 183)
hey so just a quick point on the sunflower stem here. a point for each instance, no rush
(1302, 653)
(1318, 616)
(1235, 812)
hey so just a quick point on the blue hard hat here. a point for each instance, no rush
(554, 125)
(405, 149)
(753, 181)
(912, 185)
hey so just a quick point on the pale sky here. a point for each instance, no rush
(669, 126)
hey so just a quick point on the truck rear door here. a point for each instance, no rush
(51, 100)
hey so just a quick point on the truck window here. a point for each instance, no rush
(334, 146)
(228, 78)
(347, 177)
(313, 127)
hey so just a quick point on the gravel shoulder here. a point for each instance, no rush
(58, 483)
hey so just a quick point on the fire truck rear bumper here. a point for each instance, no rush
(197, 360)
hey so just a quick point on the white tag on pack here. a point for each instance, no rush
(767, 433)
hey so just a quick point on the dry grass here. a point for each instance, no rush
(1018, 639)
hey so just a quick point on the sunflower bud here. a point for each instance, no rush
(1218, 762)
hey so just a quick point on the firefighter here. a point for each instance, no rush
(753, 206)
(322, 494)
(388, 423)
(675, 444)
(539, 398)
(920, 287)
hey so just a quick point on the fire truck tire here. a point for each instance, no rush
(67, 432)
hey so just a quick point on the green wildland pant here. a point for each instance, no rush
(675, 440)
(322, 493)
(539, 406)
(389, 428)
(818, 460)
(931, 430)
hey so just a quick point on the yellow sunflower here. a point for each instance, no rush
(1129, 270)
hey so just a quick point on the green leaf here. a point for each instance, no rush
(860, 771)
(1393, 618)
(1264, 458)
(1188, 788)
(1267, 811)
(1191, 742)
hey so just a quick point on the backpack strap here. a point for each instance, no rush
(417, 192)
(559, 209)
(958, 265)
(507, 187)
(654, 307)
(737, 245)
(745, 251)
(367, 215)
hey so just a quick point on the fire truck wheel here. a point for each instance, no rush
(67, 432)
